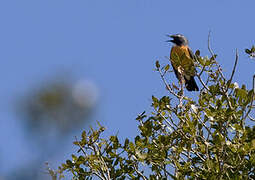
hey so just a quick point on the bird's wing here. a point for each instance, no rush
(191, 54)
(186, 61)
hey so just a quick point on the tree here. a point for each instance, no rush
(208, 137)
(51, 112)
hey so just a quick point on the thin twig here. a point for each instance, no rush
(202, 70)
(253, 82)
(202, 82)
(200, 120)
(196, 153)
(182, 89)
(209, 46)
(252, 99)
(165, 171)
(96, 148)
(213, 56)
(167, 85)
(233, 71)
(139, 173)
(84, 152)
(251, 118)
(227, 98)
(171, 119)
(167, 121)
(82, 149)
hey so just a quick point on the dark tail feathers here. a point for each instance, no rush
(191, 84)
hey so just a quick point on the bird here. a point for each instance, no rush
(182, 60)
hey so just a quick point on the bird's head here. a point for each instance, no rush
(178, 39)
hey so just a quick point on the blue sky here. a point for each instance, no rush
(113, 43)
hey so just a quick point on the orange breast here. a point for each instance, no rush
(179, 51)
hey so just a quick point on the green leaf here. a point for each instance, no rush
(69, 163)
(126, 143)
(208, 62)
(213, 57)
(154, 99)
(74, 157)
(253, 49)
(155, 103)
(167, 67)
(247, 51)
(197, 53)
(84, 135)
(157, 64)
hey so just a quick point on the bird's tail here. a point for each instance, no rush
(191, 84)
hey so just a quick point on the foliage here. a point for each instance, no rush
(251, 52)
(211, 136)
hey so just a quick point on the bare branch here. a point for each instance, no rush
(139, 173)
(167, 121)
(167, 85)
(202, 82)
(165, 171)
(202, 70)
(196, 153)
(251, 118)
(234, 69)
(252, 99)
(200, 120)
(213, 57)
(253, 83)
(209, 46)
(171, 119)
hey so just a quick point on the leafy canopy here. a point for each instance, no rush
(211, 136)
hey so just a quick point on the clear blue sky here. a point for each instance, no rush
(114, 43)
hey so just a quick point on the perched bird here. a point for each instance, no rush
(182, 60)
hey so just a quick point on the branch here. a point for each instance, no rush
(252, 99)
(251, 118)
(170, 117)
(84, 152)
(139, 173)
(209, 46)
(81, 148)
(96, 150)
(202, 82)
(200, 120)
(202, 70)
(233, 71)
(253, 82)
(182, 89)
(166, 173)
(196, 153)
(212, 54)
(167, 121)
(167, 85)
(51, 172)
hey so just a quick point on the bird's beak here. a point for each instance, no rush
(173, 36)
(170, 36)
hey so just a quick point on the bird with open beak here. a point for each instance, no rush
(182, 60)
